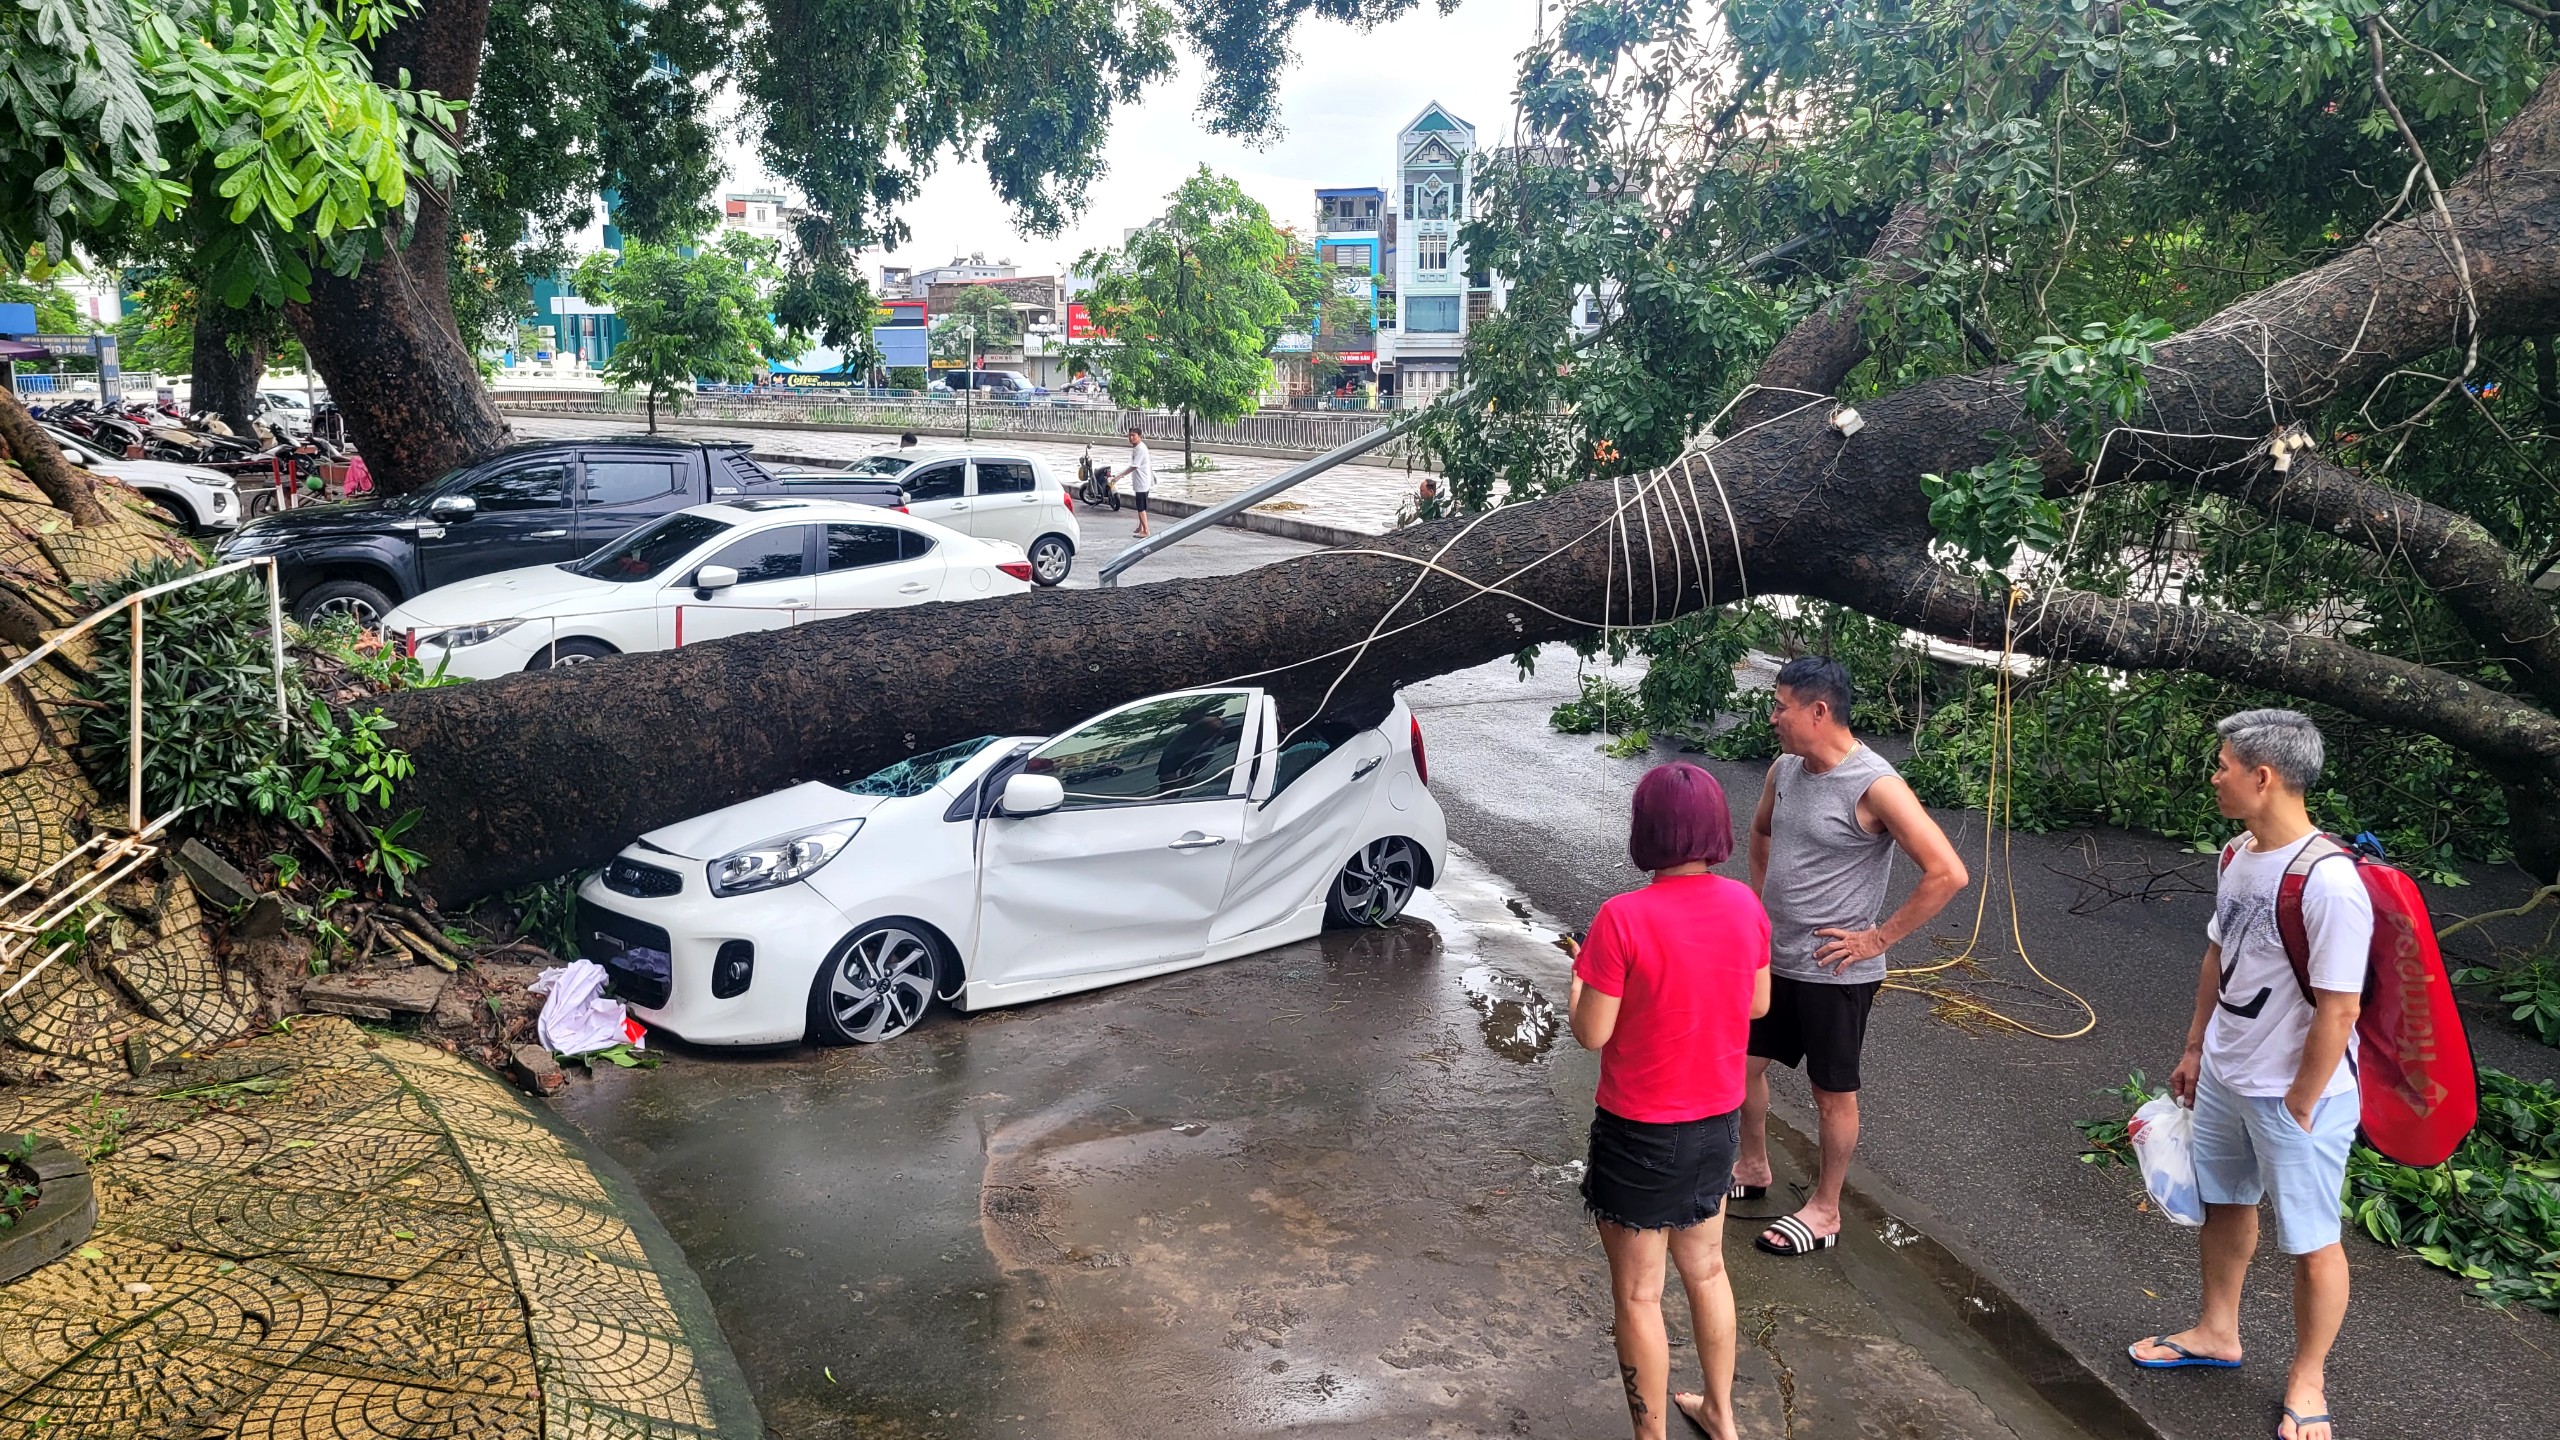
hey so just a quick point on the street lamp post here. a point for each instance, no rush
(969, 394)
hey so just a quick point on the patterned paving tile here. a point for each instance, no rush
(382, 1244)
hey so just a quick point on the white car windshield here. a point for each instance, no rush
(647, 552)
(918, 773)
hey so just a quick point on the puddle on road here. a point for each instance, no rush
(1518, 1021)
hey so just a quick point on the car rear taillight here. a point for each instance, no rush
(1070, 497)
(1421, 765)
(1018, 569)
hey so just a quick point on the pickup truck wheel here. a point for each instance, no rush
(365, 604)
(1051, 558)
(576, 651)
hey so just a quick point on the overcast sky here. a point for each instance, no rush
(1340, 104)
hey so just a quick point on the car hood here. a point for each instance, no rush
(313, 522)
(708, 837)
(165, 472)
(516, 594)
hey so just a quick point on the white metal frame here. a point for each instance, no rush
(117, 857)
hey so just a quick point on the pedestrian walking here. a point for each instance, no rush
(1822, 848)
(2269, 1067)
(1665, 988)
(1142, 475)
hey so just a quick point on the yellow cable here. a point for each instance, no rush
(1999, 807)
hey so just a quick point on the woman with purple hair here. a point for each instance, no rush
(1665, 987)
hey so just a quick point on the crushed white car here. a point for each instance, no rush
(1171, 832)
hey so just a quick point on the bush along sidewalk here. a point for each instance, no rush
(2491, 1214)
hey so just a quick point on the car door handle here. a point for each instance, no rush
(546, 534)
(1361, 771)
(1197, 841)
(913, 587)
(959, 504)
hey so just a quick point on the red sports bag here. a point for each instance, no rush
(2418, 1093)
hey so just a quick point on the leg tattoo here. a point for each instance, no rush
(1635, 1397)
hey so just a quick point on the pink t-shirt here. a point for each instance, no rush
(1682, 956)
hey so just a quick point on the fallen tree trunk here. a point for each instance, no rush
(530, 776)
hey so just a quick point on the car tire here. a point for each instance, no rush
(577, 650)
(1051, 558)
(876, 984)
(1374, 885)
(174, 511)
(366, 604)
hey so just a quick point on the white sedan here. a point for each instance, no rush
(1170, 832)
(700, 574)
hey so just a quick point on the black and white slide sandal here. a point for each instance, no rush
(1794, 1238)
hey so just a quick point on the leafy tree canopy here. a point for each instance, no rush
(1190, 306)
(686, 314)
(979, 315)
(256, 128)
(1934, 190)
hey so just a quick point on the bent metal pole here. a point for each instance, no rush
(1296, 474)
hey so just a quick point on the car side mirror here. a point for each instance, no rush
(453, 507)
(711, 578)
(1028, 795)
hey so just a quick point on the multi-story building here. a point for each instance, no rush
(1039, 304)
(1435, 297)
(1351, 243)
(763, 215)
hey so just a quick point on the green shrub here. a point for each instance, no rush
(209, 720)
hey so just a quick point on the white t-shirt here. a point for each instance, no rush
(2254, 1041)
(1142, 469)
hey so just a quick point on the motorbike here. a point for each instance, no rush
(1094, 489)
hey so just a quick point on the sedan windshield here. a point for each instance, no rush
(918, 773)
(645, 553)
(878, 465)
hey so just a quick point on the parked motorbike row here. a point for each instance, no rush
(164, 432)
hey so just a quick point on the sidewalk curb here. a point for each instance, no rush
(1285, 527)
(1973, 1287)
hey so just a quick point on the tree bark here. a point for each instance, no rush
(70, 490)
(526, 777)
(384, 337)
(230, 362)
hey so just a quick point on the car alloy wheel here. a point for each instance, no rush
(1376, 882)
(878, 985)
(1051, 559)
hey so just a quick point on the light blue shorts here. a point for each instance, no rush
(2249, 1147)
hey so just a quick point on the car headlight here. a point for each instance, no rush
(461, 635)
(780, 860)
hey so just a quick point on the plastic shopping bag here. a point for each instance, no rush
(577, 1019)
(2163, 1134)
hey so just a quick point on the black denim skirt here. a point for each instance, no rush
(1659, 1177)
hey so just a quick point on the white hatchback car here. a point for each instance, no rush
(699, 574)
(1170, 832)
(990, 492)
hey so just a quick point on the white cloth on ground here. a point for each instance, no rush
(576, 1018)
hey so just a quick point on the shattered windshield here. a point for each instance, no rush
(645, 553)
(918, 773)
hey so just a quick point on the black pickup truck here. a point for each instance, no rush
(527, 505)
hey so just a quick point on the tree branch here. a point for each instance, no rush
(35, 452)
(2479, 579)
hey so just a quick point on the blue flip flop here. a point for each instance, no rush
(2304, 1422)
(2186, 1358)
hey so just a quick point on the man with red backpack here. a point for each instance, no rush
(2269, 1068)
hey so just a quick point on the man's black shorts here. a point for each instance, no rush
(1139, 498)
(1820, 1026)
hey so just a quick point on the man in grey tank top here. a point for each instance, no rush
(1821, 853)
